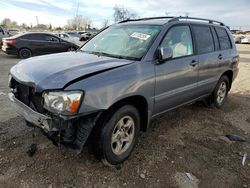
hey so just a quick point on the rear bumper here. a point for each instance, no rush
(30, 115)
(9, 50)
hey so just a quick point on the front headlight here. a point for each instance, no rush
(63, 102)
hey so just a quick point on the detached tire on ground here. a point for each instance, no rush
(118, 135)
(220, 92)
(24, 53)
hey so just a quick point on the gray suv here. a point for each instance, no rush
(125, 76)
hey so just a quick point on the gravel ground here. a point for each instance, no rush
(188, 140)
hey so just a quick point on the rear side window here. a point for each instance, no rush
(204, 39)
(37, 37)
(216, 41)
(223, 39)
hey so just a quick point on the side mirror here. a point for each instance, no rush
(165, 53)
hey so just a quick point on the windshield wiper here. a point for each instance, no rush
(112, 55)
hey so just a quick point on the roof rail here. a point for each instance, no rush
(198, 19)
(149, 18)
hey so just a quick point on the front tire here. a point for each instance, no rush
(119, 135)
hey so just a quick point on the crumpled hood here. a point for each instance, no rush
(55, 71)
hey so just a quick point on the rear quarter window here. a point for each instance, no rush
(223, 39)
(25, 37)
(204, 39)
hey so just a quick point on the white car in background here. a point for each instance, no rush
(13, 32)
(68, 37)
(246, 40)
(238, 38)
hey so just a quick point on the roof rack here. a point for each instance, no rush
(174, 18)
(198, 19)
(149, 18)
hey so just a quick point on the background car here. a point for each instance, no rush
(68, 37)
(73, 34)
(85, 36)
(238, 38)
(13, 32)
(246, 40)
(28, 44)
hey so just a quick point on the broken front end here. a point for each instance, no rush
(55, 112)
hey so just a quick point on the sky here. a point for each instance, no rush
(234, 13)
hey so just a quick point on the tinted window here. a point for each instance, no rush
(204, 39)
(36, 37)
(25, 37)
(223, 39)
(216, 41)
(179, 40)
(51, 38)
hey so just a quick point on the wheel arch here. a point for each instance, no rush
(138, 101)
(229, 74)
(25, 48)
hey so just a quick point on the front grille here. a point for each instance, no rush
(27, 95)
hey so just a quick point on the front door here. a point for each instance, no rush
(176, 79)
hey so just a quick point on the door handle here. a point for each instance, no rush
(220, 56)
(193, 63)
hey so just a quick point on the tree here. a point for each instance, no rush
(105, 23)
(7, 23)
(121, 13)
(50, 27)
(41, 27)
(79, 23)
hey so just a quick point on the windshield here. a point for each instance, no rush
(128, 42)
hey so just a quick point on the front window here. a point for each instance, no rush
(129, 42)
(179, 40)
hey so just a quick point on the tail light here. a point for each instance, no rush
(10, 42)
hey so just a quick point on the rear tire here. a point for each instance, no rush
(220, 93)
(118, 136)
(24, 53)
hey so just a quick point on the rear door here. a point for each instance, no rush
(212, 44)
(176, 79)
(37, 43)
(207, 48)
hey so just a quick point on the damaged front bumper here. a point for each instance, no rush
(40, 120)
(72, 132)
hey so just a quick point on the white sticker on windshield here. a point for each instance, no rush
(141, 36)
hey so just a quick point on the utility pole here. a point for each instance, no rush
(77, 24)
(37, 20)
(77, 8)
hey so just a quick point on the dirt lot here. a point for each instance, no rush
(191, 139)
